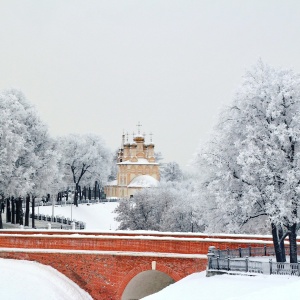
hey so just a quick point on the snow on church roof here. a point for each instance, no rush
(143, 181)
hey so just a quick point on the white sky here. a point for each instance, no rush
(102, 66)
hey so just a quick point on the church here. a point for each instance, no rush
(137, 168)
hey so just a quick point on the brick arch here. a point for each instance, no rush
(146, 267)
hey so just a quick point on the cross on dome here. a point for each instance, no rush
(151, 135)
(139, 125)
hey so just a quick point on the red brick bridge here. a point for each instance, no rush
(119, 265)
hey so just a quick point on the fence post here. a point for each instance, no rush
(228, 263)
(265, 249)
(249, 250)
(240, 251)
(270, 262)
(218, 266)
(247, 263)
(219, 251)
(227, 251)
(210, 255)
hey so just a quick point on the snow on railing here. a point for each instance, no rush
(237, 260)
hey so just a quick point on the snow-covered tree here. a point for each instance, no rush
(171, 172)
(15, 176)
(251, 164)
(84, 160)
(28, 162)
(114, 167)
(158, 156)
(169, 207)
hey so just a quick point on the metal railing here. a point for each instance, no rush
(237, 260)
(280, 268)
(237, 265)
(59, 219)
(250, 251)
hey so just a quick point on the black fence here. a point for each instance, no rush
(59, 219)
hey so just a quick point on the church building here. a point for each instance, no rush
(137, 168)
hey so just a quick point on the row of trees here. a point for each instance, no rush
(248, 177)
(34, 164)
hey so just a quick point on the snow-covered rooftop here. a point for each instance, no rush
(143, 181)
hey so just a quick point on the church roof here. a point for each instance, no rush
(143, 181)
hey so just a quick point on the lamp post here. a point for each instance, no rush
(71, 211)
(53, 203)
(38, 214)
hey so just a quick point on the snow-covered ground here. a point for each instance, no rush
(21, 279)
(231, 287)
(30, 280)
(96, 216)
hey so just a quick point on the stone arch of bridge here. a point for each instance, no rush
(159, 268)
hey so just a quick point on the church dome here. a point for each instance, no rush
(143, 181)
(139, 138)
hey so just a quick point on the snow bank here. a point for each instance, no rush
(30, 280)
(230, 287)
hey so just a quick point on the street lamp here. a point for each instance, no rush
(71, 211)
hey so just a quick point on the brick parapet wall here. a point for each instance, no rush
(119, 243)
(138, 233)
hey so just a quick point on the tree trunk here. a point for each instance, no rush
(90, 193)
(1, 224)
(32, 211)
(95, 191)
(84, 193)
(293, 243)
(8, 211)
(276, 243)
(280, 235)
(20, 211)
(13, 215)
(27, 210)
(76, 195)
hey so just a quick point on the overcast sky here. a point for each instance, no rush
(102, 66)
